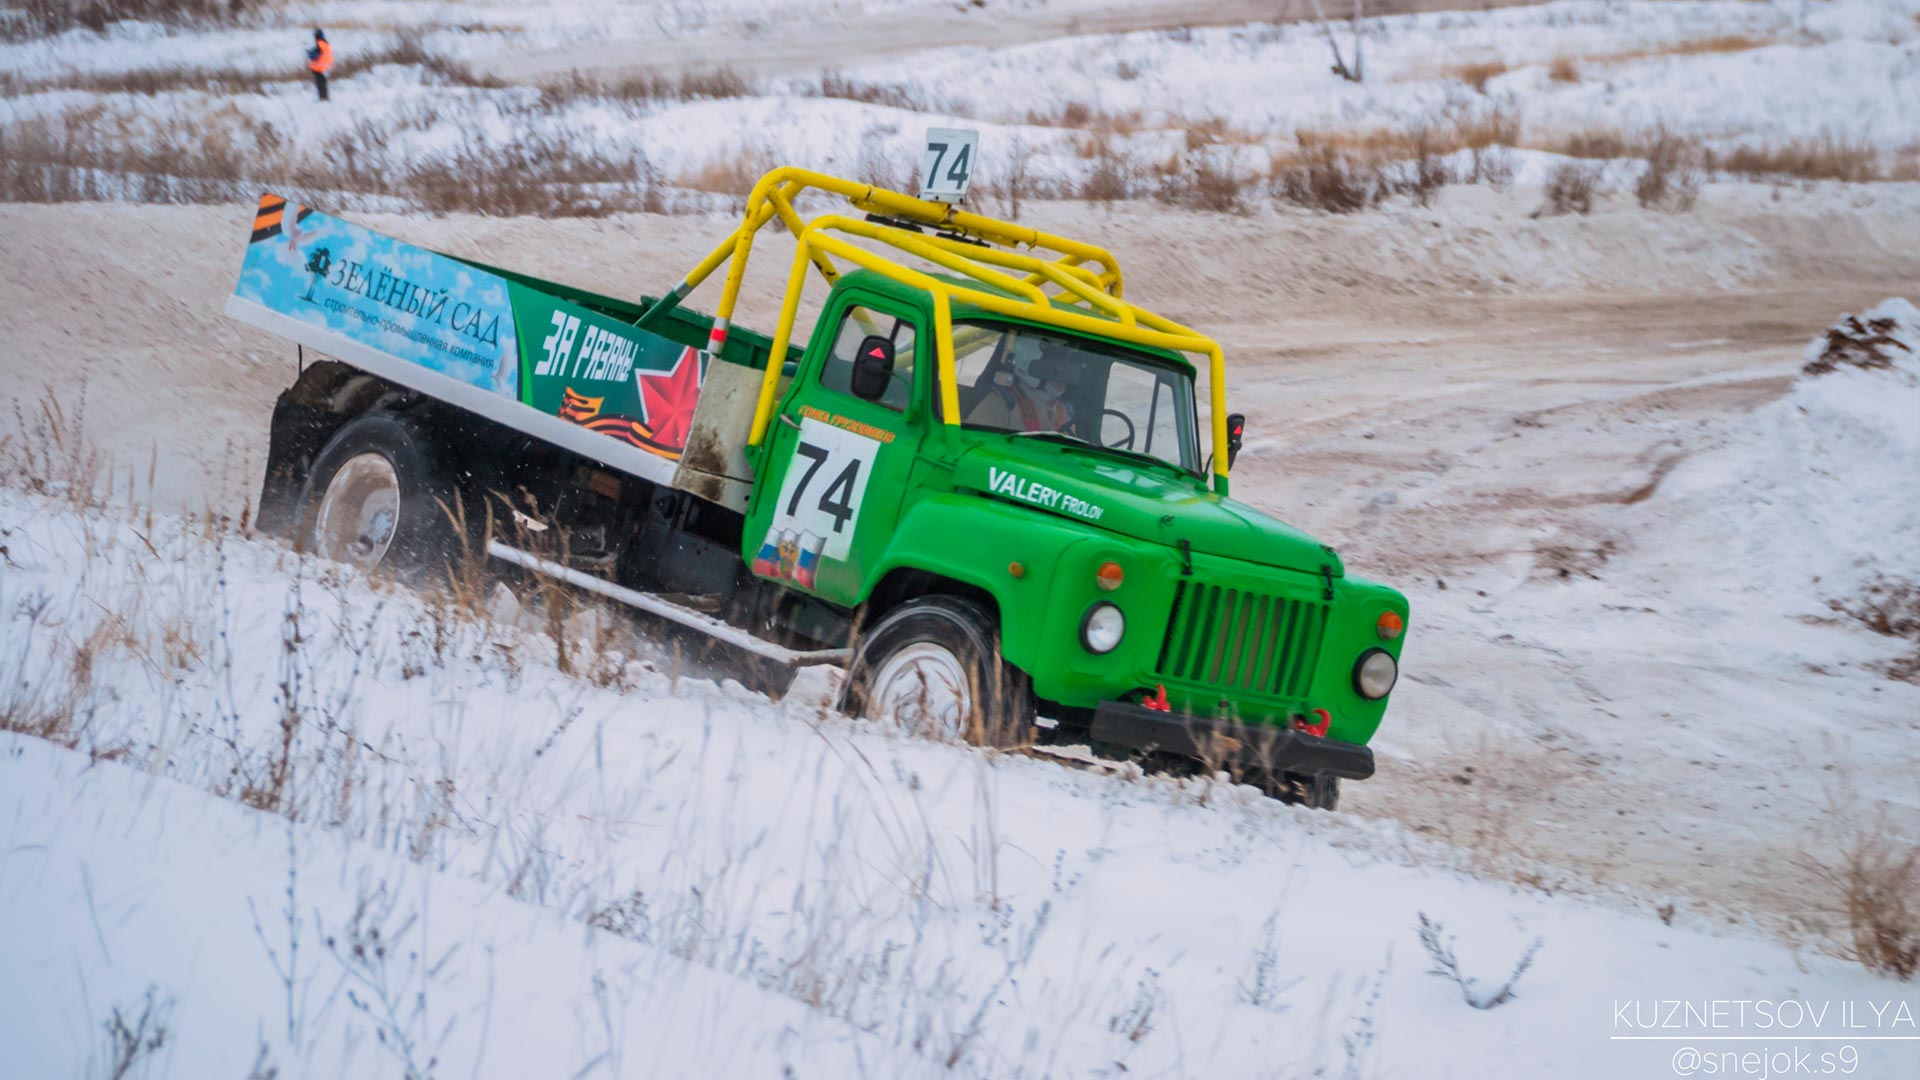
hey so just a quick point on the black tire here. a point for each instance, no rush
(1000, 695)
(420, 535)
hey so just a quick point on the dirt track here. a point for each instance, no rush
(1444, 394)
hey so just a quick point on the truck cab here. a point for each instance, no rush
(1069, 510)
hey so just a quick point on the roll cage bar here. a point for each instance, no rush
(975, 247)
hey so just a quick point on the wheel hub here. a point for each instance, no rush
(924, 688)
(360, 512)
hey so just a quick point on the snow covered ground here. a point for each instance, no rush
(1150, 105)
(341, 828)
(625, 872)
(1662, 669)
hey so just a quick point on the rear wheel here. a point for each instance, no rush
(933, 666)
(373, 498)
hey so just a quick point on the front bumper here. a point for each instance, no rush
(1270, 748)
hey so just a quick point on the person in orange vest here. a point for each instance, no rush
(320, 61)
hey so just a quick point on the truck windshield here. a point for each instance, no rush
(1022, 379)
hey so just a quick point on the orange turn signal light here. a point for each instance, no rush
(1017, 569)
(1109, 576)
(1390, 625)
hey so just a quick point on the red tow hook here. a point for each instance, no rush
(1326, 721)
(1157, 701)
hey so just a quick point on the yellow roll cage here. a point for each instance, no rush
(829, 236)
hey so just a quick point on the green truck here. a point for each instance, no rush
(981, 484)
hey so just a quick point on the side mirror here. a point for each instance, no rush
(1236, 426)
(872, 368)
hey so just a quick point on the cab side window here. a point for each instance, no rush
(855, 326)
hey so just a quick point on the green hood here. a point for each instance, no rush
(1156, 505)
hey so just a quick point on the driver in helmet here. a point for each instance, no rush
(1030, 394)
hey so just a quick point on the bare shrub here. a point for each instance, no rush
(45, 17)
(1263, 986)
(718, 83)
(1571, 189)
(1136, 1018)
(1445, 965)
(1430, 172)
(1016, 182)
(534, 174)
(1563, 70)
(1886, 605)
(1109, 179)
(48, 453)
(135, 1036)
(1325, 177)
(1671, 179)
(1874, 882)
(77, 158)
(1202, 181)
(1863, 344)
(409, 49)
(1082, 116)
(387, 981)
(732, 175)
(891, 95)
(880, 166)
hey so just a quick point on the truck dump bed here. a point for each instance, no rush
(559, 363)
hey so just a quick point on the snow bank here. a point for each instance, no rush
(629, 871)
(1817, 491)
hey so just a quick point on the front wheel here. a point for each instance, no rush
(933, 666)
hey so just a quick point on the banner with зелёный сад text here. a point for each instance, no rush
(384, 299)
(378, 292)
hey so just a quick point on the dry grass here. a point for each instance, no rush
(1080, 116)
(1202, 181)
(1344, 171)
(535, 175)
(1671, 179)
(1825, 157)
(1478, 73)
(408, 49)
(40, 18)
(1566, 69)
(1873, 884)
(733, 176)
(1725, 43)
(889, 95)
(1571, 189)
(82, 157)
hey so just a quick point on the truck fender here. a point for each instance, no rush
(965, 543)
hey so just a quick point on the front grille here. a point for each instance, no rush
(1242, 640)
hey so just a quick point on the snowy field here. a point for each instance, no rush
(261, 816)
(264, 813)
(428, 91)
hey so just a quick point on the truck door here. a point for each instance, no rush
(836, 465)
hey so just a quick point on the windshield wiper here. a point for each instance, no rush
(1075, 440)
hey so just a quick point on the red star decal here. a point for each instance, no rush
(667, 398)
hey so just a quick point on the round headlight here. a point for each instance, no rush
(1375, 674)
(1102, 629)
